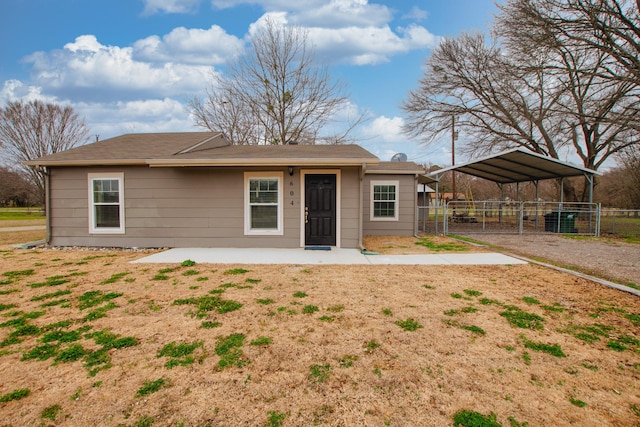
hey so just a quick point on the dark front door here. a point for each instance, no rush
(320, 210)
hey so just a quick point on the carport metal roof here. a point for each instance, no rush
(516, 165)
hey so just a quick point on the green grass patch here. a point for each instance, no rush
(347, 360)
(4, 307)
(531, 300)
(179, 354)
(94, 298)
(190, 273)
(387, 312)
(188, 263)
(309, 309)
(99, 313)
(634, 318)
(300, 294)
(252, 281)
(409, 324)
(266, 301)
(41, 352)
(522, 319)
(261, 341)
(465, 418)
(441, 247)
(96, 361)
(370, 346)
(473, 328)
(51, 281)
(114, 278)
(275, 419)
(230, 351)
(616, 346)
(16, 274)
(552, 349)
(71, 354)
(210, 325)
(17, 394)
(50, 295)
(208, 303)
(555, 307)
(61, 336)
(51, 412)
(234, 271)
(109, 340)
(577, 402)
(336, 308)
(150, 387)
(472, 292)
(319, 373)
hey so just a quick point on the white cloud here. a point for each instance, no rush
(369, 45)
(416, 14)
(387, 129)
(89, 70)
(14, 90)
(193, 46)
(139, 116)
(170, 6)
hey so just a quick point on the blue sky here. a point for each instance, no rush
(132, 65)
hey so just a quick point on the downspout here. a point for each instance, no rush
(361, 207)
(416, 210)
(47, 204)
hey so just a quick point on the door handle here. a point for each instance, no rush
(306, 215)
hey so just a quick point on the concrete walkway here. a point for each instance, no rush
(331, 257)
(22, 228)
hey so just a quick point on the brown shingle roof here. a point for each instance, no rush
(396, 168)
(202, 149)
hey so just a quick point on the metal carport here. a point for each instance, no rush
(519, 165)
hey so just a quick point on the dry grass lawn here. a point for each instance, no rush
(89, 339)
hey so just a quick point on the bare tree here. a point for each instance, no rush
(35, 129)
(609, 26)
(16, 189)
(491, 98)
(274, 95)
(554, 99)
(629, 161)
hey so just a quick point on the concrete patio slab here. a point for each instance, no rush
(332, 257)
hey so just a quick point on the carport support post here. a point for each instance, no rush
(500, 205)
(536, 182)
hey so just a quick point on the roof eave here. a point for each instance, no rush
(394, 172)
(168, 163)
(111, 162)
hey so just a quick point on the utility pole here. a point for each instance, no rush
(454, 196)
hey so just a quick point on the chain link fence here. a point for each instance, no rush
(511, 217)
(620, 222)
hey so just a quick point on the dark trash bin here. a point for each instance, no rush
(567, 223)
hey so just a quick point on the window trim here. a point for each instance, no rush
(92, 217)
(248, 231)
(396, 215)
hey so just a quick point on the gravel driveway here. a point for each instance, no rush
(609, 259)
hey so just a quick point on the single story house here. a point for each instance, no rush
(194, 189)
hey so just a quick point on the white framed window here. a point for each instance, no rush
(384, 200)
(263, 203)
(106, 203)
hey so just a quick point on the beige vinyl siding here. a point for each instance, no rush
(167, 207)
(350, 207)
(185, 207)
(405, 225)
